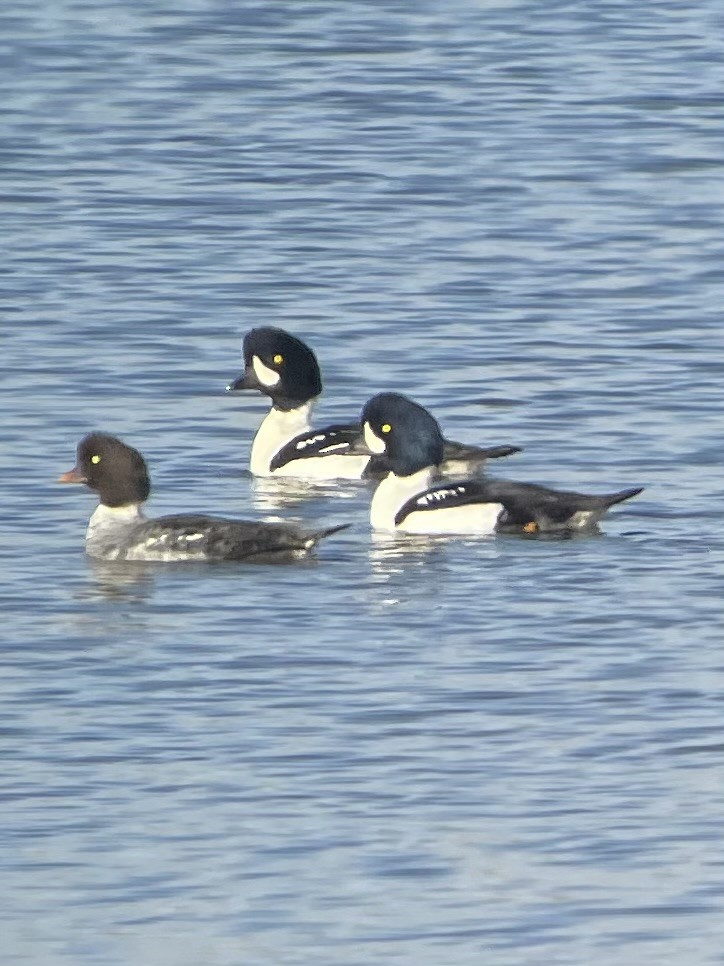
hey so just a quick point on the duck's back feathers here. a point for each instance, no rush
(453, 450)
(460, 459)
(531, 507)
(187, 536)
(526, 507)
(344, 440)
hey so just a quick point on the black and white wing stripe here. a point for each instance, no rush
(330, 441)
(526, 506)
(444, 496)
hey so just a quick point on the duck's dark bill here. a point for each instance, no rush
(248, 380)
(72, 476)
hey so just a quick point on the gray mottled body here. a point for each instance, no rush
(124, 534)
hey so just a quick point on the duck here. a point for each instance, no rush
(284, 368)
(118, 529)
(412, 498)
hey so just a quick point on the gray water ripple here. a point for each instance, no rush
(441, 751)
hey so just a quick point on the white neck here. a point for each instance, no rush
(105, 523)
(278, 427)
(393, 492)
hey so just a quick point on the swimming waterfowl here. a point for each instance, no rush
(118, 530)
(284, 368)
(413, 499)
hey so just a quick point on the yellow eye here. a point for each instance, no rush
(278, 359)
(385, 427)
(95, 459)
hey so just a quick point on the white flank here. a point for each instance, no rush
(394, 491)
(331, 466)
(479, 518)
(582, 519)
(156, 549)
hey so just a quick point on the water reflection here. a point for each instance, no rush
(406, 567)
(275, 496)
(555, 242)
(118, 580)
(391, 553)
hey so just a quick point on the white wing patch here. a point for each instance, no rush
(437, 496)
(581, 519)
(309, 441)
(332, 447)
(155, 541)
(168, 546)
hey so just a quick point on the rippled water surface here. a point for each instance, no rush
(444, 753)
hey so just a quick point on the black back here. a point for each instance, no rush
(526, 506)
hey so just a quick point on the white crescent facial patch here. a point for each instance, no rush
(373, 441)
(266, 376)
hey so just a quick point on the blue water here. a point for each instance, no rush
(449, 753)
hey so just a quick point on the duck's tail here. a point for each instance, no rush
(317, 535)
(612, 499)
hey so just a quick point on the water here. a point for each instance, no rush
(461, 752)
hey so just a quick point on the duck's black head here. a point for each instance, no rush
(405, 432)
(279, 365)
(117, 472)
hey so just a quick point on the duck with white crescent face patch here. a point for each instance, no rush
(286, 444)
(412, 498)
(118, 529)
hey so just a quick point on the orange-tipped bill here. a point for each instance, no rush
(72, 476)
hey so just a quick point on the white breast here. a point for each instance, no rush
(278, 427)
(392, 493)
(108, 529)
